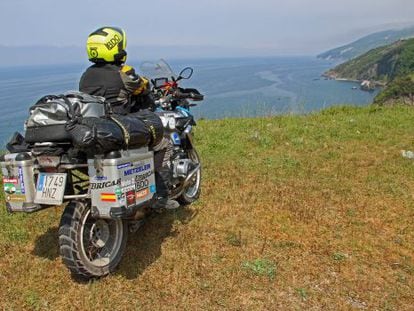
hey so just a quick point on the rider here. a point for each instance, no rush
(126, 92)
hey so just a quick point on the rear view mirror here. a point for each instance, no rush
(186, 73)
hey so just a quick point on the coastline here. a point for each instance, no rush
(332, 75)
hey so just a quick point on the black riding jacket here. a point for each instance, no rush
(125, 90)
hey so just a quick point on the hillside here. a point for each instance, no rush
(366, 44)
(382, 64)
(297, 213)
(400, 90)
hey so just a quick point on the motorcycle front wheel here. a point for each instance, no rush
(90, 247)
(192, 191)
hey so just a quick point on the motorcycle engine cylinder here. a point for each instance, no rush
(181, 167)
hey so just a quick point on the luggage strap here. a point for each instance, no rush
(127, 136)
(151, 129)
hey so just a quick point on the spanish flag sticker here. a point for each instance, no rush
(108, 197)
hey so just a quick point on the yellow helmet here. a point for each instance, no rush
(107, 45)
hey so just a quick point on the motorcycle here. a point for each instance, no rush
(105, 195)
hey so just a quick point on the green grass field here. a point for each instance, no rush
(308, 212)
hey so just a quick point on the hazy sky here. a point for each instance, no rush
(290, 26)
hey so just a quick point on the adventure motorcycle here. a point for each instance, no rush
(103, 193)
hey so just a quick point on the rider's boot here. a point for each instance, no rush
(162, 177)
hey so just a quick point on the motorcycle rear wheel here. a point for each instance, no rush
(90, 247)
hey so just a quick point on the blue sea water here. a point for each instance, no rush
(232, 87)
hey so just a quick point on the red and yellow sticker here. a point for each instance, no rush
(142, 193)
(108, 197)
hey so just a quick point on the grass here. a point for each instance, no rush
(260, 267)
(310, 212)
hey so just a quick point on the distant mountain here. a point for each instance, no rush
(367, 43)
(49, 55)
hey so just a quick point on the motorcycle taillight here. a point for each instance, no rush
(48, 161)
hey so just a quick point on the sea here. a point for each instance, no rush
(233, 88)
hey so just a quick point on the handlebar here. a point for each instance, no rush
(197, 96)
(188, 95)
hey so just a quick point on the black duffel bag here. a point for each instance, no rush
(115, 132)
(95, 135)
(142, 128)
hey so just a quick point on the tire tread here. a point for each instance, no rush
(69, 244)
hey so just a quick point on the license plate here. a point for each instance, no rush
(50, 188)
